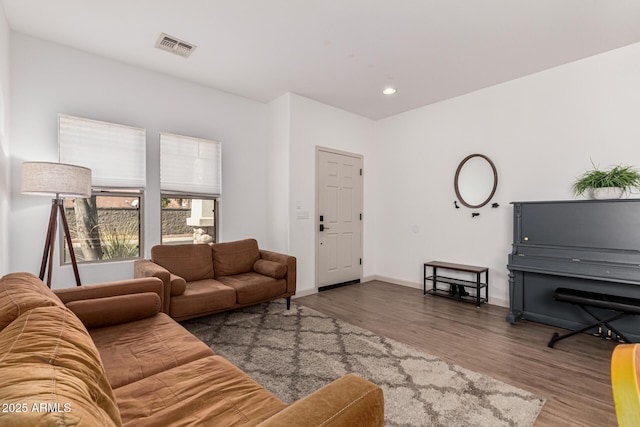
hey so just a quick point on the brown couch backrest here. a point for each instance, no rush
(235, 257)
(21, 292)
(191, 262)
(50, 368)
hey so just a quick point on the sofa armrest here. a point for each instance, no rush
(350, 401)
(148, 268)
(178, 285)
(108, 311)
(111, 289)
(112, 303)
(289, 261)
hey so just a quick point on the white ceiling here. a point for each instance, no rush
(339, 52)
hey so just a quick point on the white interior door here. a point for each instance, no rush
(339, 221)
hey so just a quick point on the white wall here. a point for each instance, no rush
(47, 79)
(278, 173)
(540, 131)
(4, 143)
(315, 124)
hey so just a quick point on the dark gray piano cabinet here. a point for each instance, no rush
(591, 245)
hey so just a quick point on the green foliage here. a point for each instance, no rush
(120, 242)
(625, 177)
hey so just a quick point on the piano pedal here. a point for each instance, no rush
(609, 335)
(599, 333)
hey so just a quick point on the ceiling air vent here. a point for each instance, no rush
(175, 45)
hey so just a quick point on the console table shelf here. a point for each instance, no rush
(476, 284)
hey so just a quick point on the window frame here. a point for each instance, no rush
(117, 156)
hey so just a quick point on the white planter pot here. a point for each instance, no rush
(606, 193)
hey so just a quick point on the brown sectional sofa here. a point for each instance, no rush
(105, 355)
(204, 279)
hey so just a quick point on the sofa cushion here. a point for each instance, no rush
(270, 268)
(202, 297)
(235, 257)
(254, 287)
(19, 293)
(47, 358)
(107, 311)
(136, 350)
(185, 396)
(191, 262)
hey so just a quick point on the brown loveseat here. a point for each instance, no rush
(204, 279)
(104, 355)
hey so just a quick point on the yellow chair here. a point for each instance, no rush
(625, 384)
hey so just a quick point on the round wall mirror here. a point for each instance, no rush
(476, 181)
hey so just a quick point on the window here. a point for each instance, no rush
(188, 220)
(106, 226)
(190, 182)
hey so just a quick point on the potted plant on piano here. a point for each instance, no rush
(608, 184)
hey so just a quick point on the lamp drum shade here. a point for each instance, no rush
(44, 178)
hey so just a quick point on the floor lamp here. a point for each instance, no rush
(43, 178)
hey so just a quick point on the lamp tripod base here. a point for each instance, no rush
(47, 256)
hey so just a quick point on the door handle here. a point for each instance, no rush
(322, 227)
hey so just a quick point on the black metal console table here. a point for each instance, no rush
(476, 284)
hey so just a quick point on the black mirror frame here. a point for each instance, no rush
(495, 181)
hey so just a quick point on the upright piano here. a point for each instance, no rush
(590, 245)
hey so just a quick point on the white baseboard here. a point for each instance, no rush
(304, 293)
(397, 281)
(493, 301)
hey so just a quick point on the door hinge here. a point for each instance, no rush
(360, 171)
(360, 217)
(360, 261)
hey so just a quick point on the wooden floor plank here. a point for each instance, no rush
(573, 377)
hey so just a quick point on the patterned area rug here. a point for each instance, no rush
(293, 353)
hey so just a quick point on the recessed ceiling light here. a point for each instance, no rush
(389, 91)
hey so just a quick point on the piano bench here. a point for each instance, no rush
(623, 306)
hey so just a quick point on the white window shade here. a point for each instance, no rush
(190, 165)
(114, 153)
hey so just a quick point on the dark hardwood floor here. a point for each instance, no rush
(573, 377)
